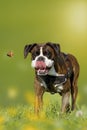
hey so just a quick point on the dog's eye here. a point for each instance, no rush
(34, 54)
(37, 53)
(48, 54)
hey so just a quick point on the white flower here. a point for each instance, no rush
(79, 113)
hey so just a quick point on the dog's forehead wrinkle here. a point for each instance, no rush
(47, 47)
(42, 48)
(36, 48)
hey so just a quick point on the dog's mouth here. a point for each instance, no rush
(41, 68)
(43, 71)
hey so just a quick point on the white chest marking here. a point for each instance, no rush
(59, 87)
(53, 72)
(43, 84)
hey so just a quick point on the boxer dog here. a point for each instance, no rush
(55, 72)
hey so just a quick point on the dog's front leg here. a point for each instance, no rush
(38, 104)
(39, 91)
(65, 102)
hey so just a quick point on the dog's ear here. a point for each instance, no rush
(28, 49)
(55, 46)
(57, 51)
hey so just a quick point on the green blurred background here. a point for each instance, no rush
(26, 21)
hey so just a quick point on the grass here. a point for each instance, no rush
(21, 117)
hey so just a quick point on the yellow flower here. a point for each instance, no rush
(1, 119)
(12, 111)
(31, 116)
(12, 93)
(29, 97)
(28, 127)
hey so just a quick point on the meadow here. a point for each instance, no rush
(25, 22)
(21, 117)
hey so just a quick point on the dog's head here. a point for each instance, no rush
(43, 56)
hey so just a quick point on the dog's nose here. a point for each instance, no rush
(40, 58)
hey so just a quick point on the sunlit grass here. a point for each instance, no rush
(23, 118)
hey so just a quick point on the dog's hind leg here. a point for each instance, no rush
(74, 92)
(74, 87)
(65, 102)
(74, 65)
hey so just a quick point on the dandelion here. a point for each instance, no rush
(79, 113)
(28, 127)
(12, 111)
(1, 119)
(28, 97)
(12, 93)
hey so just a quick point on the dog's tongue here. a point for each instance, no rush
(40, 65)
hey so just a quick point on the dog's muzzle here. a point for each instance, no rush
(41, 68)
(42, 65)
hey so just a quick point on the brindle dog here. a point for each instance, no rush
(55, 72)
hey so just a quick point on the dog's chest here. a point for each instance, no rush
(52, 84)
